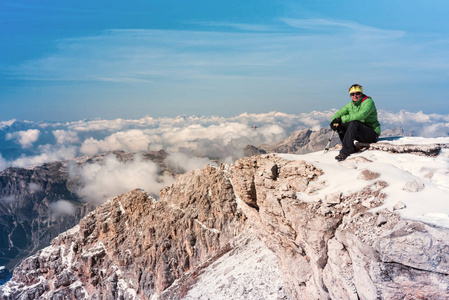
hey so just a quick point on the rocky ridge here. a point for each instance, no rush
(307, 140)
(133, 247)
(26, 197)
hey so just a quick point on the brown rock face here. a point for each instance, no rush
(334, 248)
(133, 247)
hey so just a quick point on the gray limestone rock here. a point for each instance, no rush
(161, 249)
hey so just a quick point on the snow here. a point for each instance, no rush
(430, 205)
(97, 249)
(249, 271)
(207, 228)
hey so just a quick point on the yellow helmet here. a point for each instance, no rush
(356, 88)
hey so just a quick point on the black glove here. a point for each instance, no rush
(335, 123)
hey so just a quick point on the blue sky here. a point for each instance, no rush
(72, 60)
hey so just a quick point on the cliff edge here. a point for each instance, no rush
(330, 241)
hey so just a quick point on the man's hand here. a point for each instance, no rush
(335, 123)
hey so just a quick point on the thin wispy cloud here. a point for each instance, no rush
(238, 26)
(290, 64)
(352, 27)
(168, 55)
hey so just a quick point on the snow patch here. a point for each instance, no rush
(250, 271)
(207, 228)
(429, 205)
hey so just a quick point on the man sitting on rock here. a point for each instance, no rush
(357, 120)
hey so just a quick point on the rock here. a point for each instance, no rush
(302, 141)
(414, 186)
(381, 220)
(338, 249)
(313, 187)
(332, 199)
(399, 205)
(32, 192)
(368, 175)
(251, 150)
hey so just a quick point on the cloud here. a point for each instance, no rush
(130, 141)
(182, 163)
(281, 66)
(62, 208)
(419, 123)
(8, 199)
(48, 153)
(333, 25)
(99, 182)
(65, 137)
(3, 163)
(4, 124)
(221, 140)
(33, 187)
(24, 138)
(239, 26)
(212, 137)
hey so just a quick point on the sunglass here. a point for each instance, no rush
(356, 93)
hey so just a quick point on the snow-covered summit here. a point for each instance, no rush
(420, 183)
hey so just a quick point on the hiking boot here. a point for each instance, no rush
(341, 157)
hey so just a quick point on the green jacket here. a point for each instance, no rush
(363, 110)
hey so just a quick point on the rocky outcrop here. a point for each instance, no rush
(306, 141)
(26, 219)
(334, 247)
(426, 150)
(302, 141)
(133, 246)
(26, 198)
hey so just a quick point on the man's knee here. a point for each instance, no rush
(354, 124)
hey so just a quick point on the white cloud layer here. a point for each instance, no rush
(103, 181)
(46, 153)
(24, 138)
(182, 163)
(66, 137)
(191, 142)
(212, 137)
(62, 208)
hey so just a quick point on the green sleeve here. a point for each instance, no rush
(343, 111)
(367, 107)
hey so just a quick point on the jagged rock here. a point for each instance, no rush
(251, 150)
(26, 198)
(395, 132)
(427, 150)
(302, 141)
(332, 199)
(26, 219)
(399, 205)
(145, 246)
(381, 220)
(160, 249)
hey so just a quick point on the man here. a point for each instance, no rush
(357, 120)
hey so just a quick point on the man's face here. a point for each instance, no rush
(355, 96)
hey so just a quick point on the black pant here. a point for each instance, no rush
(352, 131)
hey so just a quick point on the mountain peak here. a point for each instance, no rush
(334, 230)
